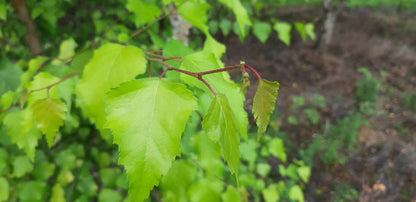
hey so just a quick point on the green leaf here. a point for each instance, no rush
(263, 169)
(240, 13)
(111, 65)
(7, 99)
(31, 190)
(209, 153)
(220, 82)
(205, 190)
(3, 14)
(65, 176)
(65, 159)
(231, 195)
(49, 115)
(225, 26)
(22, 130)
(143, 12)
(300, 27)
(219, 123)
(176, 183)
(211, 45)
(147, 127)
(87, 186)
(264, 103)
(277, 149)
(34, 65)
(42, 80)
(270, 194)
(196, 14)
(66, 50)
(58, 194)
(4, 189)
(283, 30)
(312, 114)
(109, 176)
(43, 170)
(310, 30)
(304, 173)
(109, 195)
(295, 193)
(4, 167)
(9, 76)
(248, 151)
(262, 30)
(81, 59)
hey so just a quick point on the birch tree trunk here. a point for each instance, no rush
(328, 25)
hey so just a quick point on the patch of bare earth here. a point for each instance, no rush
(384, 169)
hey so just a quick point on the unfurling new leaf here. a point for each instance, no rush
(264, 103)
(147, 118)
(219, 123)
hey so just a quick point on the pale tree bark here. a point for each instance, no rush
(329, 21)
(180, 28)
(31, 36)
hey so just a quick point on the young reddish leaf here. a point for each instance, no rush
(147, 118)
(219, 123)
(263, 104)
(49, 115)
(111, 65)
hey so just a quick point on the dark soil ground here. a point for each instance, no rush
(384, 169)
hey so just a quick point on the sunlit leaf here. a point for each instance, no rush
(4, 189)
(262, 30)
(111, 65)
(22, 130)
(196, 14)
(49, 115)
(58, 194)
(271, 194)
(148, 139)
(283, 30)
(143, 12)
(295, 193)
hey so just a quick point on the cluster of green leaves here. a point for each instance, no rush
(302, 112)
(261, 29)
(152, 121)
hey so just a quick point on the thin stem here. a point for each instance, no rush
(243, 73)
(254, 71)
(163, 73)
(164, 58)
(43, 88)
(218, 70)
(56, 83)
(206, 83)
